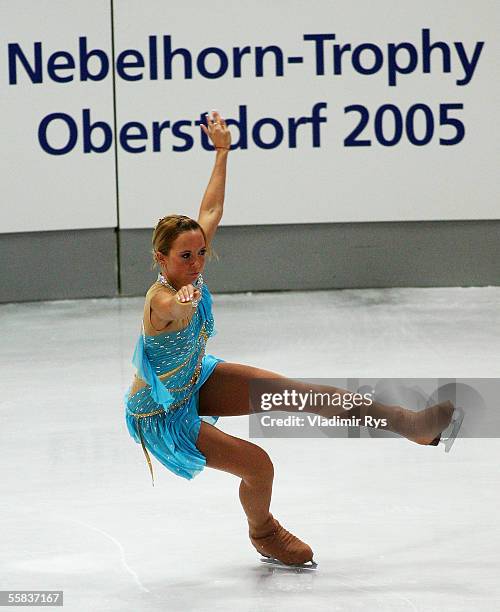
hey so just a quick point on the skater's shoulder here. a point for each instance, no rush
(157, 287)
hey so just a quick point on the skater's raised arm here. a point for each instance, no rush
(212, 205)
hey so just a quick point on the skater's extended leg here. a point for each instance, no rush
(227, 393)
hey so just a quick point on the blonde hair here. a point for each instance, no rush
(168, 229)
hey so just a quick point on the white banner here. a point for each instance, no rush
(339, 112)
(368, 123)
(44, 87)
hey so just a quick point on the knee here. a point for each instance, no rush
(261, 467)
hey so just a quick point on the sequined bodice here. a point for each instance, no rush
(169, 363)
(178, 349)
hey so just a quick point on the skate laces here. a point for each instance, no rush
(279, 535)
(282, 545)
(287, 538)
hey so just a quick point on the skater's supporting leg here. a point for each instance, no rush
(227, 393)
(253, 465)
(246, 460)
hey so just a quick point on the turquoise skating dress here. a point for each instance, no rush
(163, 415)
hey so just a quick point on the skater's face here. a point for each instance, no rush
(186, 259)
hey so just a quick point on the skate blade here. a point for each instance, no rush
(449, 435)
(310, 565)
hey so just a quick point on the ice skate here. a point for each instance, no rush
(427, 426)
(442, 419)
(310, 565)
(282, 549)
(449, 435)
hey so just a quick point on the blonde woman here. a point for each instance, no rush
(179, 391)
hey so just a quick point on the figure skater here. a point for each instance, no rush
(179, 392)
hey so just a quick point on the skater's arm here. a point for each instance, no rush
(169, 307)
(212, 204)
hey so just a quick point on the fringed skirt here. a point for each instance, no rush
(171, 436)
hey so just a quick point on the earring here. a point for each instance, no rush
(161, 275)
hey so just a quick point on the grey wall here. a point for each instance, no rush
(58, 265)
(109, 263)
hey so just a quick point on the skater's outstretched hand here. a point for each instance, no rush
(217, 130)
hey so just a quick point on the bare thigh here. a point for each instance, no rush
(232, 387)
(226, 392)
(234, 455)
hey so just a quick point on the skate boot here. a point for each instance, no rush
(449, 435)
(280, 548)
(448, 428)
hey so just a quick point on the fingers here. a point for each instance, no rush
(216, 129)
(219, 120)
(215, 120)
(187, 293)
(184, 294)
(210, 125)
